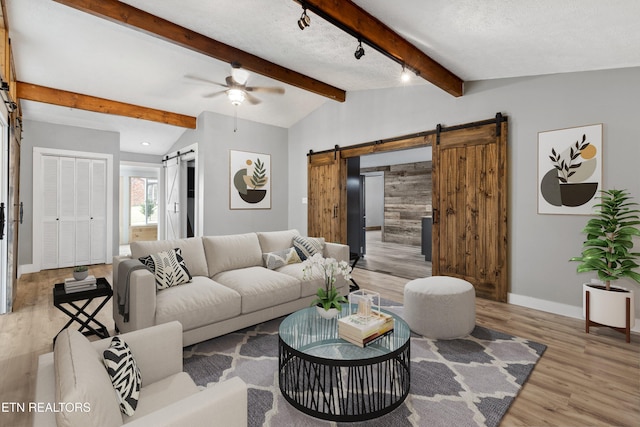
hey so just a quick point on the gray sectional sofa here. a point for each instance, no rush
(231, 288)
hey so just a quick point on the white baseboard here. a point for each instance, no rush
(553, 307)
(27, 268)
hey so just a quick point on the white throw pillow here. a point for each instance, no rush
(168, 267)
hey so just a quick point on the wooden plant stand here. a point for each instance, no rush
(626, 330)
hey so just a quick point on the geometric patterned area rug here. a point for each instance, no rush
(463, 382)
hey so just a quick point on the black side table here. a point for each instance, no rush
(92, 326)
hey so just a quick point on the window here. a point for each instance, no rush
(143, 200)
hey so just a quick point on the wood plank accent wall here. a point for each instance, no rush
(407, 198)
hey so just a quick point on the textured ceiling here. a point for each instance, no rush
(63, 48)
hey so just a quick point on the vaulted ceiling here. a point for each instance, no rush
(66, 45)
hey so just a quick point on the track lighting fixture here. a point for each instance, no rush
(405, 76)
(359, 53)
(304, 20)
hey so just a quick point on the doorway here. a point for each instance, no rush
(139, 203)
(395, 191)
(182, 198)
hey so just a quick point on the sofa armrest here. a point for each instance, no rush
(142, 299)
(337, 251)
(157, 350)
(224, 404)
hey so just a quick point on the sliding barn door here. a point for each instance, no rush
(470, 206)
(173, 225)
(327, 197)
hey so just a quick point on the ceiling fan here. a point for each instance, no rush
(236, 87)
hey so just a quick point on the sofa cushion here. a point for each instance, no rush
(168, 268)
(273, 241)
(260, 288)
(274, 260)
(81, 377)
(309, 283)
(197, 303)
(192, 252)
(163, 393)
(232, 252)
(308, 246)
(124, 374)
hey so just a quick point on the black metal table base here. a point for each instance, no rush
(89, 325)
(344, 390)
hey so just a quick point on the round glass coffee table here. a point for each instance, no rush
(330, 378)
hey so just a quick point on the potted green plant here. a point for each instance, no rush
(607, 251)
(80, 272)
(328, 301)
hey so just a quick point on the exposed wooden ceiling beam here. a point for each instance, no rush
(32, 92)
(140, 20)
(356, 21)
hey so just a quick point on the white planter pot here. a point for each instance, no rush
(327, 314)
(608, 307)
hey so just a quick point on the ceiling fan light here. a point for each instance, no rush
(236, 96)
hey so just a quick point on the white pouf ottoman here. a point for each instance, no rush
(440, 307)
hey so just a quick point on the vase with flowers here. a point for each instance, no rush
(328, 301)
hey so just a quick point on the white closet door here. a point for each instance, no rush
(98, 211)
(67, 213)
(50, 166)
(83, 212)
(172, 219)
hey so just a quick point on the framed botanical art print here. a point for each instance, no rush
(250, 180)
(569, 170)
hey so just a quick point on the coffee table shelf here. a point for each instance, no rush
(329, 378)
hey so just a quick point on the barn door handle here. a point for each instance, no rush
(21, 212)
(335, 211)
(435, 215)
(175, 207)
(2, 218)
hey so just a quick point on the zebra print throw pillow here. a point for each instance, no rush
(168, 268)
(124, 373)
(308, 246)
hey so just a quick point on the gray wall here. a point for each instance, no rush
(215, 137)
(48, 135)
(540, 245)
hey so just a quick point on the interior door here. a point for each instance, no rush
(98, 211)
(49, 247)
(83, 212)
(327, 197)
(172, 199)
(470, 206)
(67, 213)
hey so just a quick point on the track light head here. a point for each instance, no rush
(405, 76)
(304, 20)
(359, 53)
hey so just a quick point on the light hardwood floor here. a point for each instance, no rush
(393, 258)
(581, 380)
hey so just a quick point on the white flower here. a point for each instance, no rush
(328, 266)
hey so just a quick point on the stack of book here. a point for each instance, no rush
(363, 332)
(86, 284)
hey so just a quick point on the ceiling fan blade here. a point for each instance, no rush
(264, 89)
(200, 79)
(214, 94)
(252, 99)
(231, 82)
